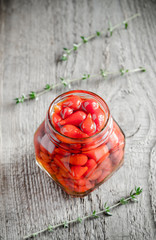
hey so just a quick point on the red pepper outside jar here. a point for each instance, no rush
(79, 145)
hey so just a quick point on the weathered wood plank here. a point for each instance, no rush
(32, 34)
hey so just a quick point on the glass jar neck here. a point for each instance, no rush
(99, 138)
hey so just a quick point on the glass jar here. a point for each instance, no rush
(59, 155)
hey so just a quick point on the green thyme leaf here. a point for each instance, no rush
(34, 234)
(98, 34)
(85, 76)
(134, 200)
(64, 82)
(138, 190)
(64, 57)
(110, 29)
(94, 214)
(50, 228)
(65, 224)
(123, 71)
(142, 69)
(123, 201)
(75, 47)
(103, 73)
(32, 95)
(20, 100)
(126, 25)
(47, 86)
(84, 39)
(79, 219)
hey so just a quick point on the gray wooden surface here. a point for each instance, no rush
(32, 34)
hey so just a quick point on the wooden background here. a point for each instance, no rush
(32, 35)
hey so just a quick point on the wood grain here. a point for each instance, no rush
(32, 35)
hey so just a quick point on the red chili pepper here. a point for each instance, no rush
(116, 139)
(46, 166)
(105, 165)
(78, 159)
(63, 159)
(38, 136)
(58, 108)
(46, 146)
(61, 180)
(91, 164)
(79, 188)
(80, 182)
(98, 153)
(66, 112)
(74, 119)
(88, 126)
(117, 156)
(62, 152)
(55, 120)
(99, 118)
(103, 176)
(77, 171)
(73, 102)
(72, 132)
(54, 167)
(63, 173)
(45, 157)
(65, 182)
(90, 105)
(95, 175)
(64, 166)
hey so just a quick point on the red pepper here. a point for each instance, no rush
(63, 159)
(78, 159)
(91, 164)
(74, 119)
(103, 176)
(55, 120)
(58, 108)
(38, 136)
(88, 126)
(47, 146)
(99, 118)
(116, 139)
(98, 153)
(61, 180)
(63, 173)
(64, 166)
(79, 188)
(117, 156)
(73, 102)
(106, 165)
(54, 167)
(72, 132)
(77, 171)
(90, 105)
(80, 182)
(45, 157)
(95, 175)
(46, 166)
(62, 152)
(66, 112)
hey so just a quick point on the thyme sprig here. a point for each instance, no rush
(66, 82)
(84, 40)
(106, 210)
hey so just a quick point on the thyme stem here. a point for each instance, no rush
(110, 29)
(95, 214)
(65, 82)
